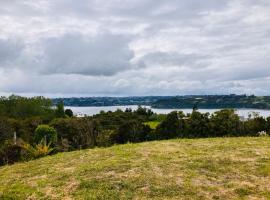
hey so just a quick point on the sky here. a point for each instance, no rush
(64, 48)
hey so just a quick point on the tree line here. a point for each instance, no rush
(32, 127)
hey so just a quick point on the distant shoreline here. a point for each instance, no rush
(242, 108)
(174, 102)
(93, 110)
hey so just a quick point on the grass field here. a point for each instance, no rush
(224, 168)
(152, 124)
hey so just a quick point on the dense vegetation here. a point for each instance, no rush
(214, 101)
(109, 101)
(21, 107)
(212, 168)
(190, 101)
(31, 127)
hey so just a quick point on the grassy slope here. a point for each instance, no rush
(224, 168)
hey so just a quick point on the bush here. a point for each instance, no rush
(6, 129)
(105, 138)
(27, 127)
(131, 131)
(172, 126)
(197, 125)
(255, 125)
(36, 151)
(69, 112)
(225, 123)
(10, 153)
(46, 133)
(60, 110)
(76, 133)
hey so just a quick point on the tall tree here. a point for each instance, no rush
(60, 110)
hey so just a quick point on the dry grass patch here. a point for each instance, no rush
(219, 168)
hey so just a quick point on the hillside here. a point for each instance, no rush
(214, 102)
(219, 168)
(174, 102)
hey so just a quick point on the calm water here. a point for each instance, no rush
(81, 111)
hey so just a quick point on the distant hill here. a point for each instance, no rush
(189, 101)
(214, 101)
(109, 101)
(220, 168)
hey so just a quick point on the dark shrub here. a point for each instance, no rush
(10, 153)
(6, 129)
(172, 126)
(225, 123)
(26, 128)
(131, 131)
(255, 125)
(79, 132)
(69, 112)
(197, 125)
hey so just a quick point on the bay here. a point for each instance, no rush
(89, 111)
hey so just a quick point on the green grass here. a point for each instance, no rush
(152, 124)
(219, 168)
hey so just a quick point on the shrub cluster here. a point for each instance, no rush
(223, 123)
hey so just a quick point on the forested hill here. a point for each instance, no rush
(189, 101)
(221, 101)
(110, 101)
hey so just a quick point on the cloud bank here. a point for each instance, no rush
(134, 47)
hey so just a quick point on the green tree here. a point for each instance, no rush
(78, 132)
(69, 112)
(268, 125)
(172, 126)
(255, 125)
(197, 124)
(225, 123)
(22, 107)
(60, 110)
(131, 131)
(46, 133)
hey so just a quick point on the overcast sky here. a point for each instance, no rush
(134, 47)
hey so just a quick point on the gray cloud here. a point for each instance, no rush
(134, 47)
(104, 54)
(10, 50)
(175, 59)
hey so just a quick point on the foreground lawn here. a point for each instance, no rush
(224, 168)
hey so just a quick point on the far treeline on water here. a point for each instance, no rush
(34, 127)
(175, 102)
